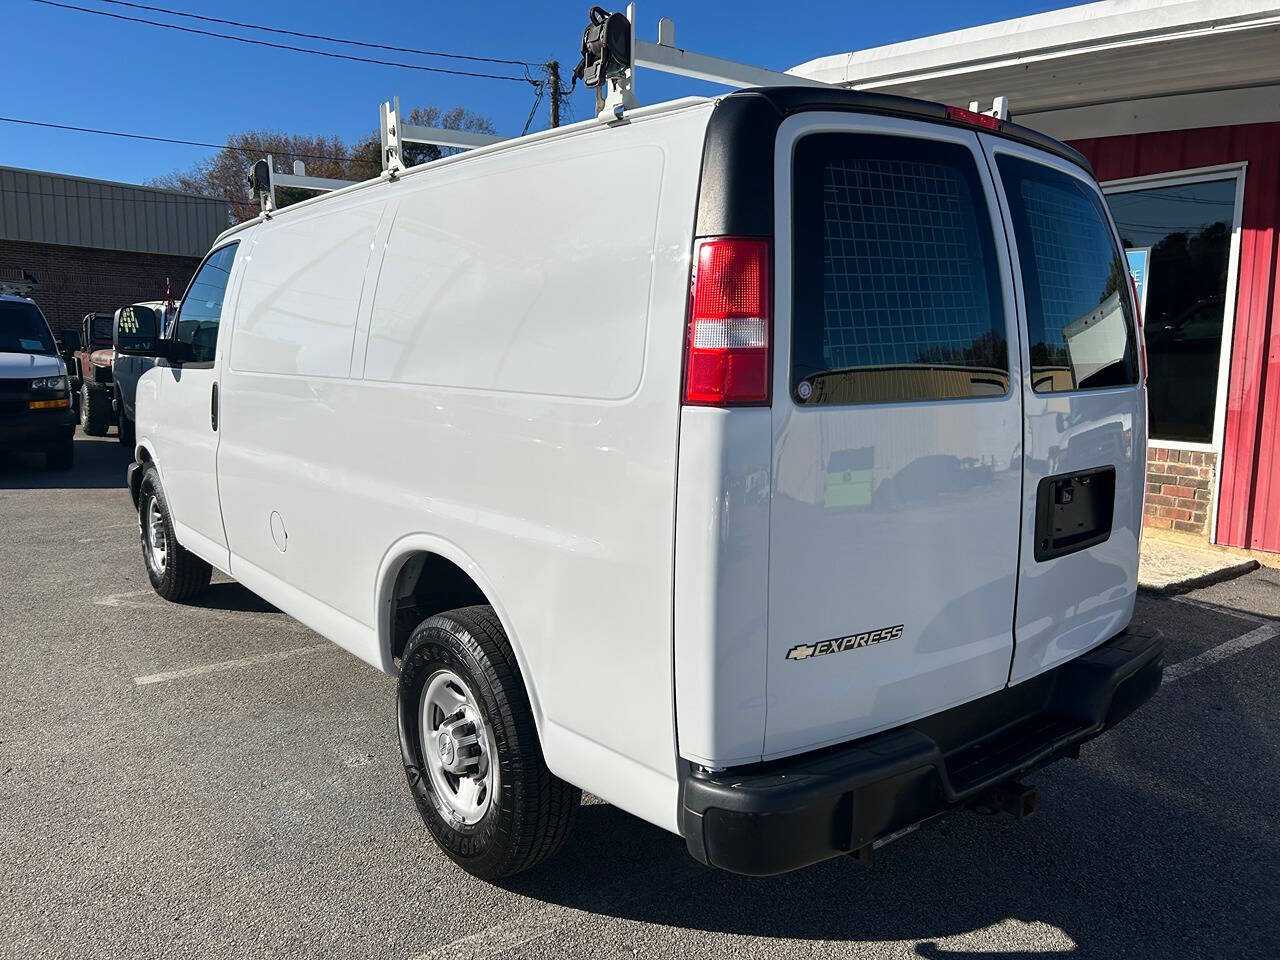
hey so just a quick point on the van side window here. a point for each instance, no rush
(1079, 319)
(201, 309)
(896, 289)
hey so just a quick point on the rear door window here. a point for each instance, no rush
(1079, 318)
(896, 286)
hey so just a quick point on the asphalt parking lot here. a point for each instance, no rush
(216, 781)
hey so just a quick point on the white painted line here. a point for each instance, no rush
(122, 599)
(535, 924)
(252, 661)
(1213, 655)
(1219, 608)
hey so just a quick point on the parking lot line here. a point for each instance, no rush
(540, 922)
(236, 664)
(1246, 641)
(1220, 609)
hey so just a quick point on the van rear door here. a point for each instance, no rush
(1084, 453)
(897, 429)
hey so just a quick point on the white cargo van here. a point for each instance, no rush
(743, 463)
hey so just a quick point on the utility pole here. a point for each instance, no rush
(553, 86)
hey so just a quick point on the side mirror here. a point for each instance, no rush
(71, 340)
(137, 332)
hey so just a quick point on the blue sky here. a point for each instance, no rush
(69, 67)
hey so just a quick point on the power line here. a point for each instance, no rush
(352, 58)
(185, 143)
(318, 36)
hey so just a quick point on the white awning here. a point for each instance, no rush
(1119, 66)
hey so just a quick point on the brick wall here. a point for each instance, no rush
(73, 281)
(1179, 486)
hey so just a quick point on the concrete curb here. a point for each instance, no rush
(1185, 584)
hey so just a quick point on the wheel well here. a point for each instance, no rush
(143, 456)
(427, 584)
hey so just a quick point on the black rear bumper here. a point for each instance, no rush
(778, 816)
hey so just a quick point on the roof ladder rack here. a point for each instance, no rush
(396, 133)
(999, 108)
(666, 57)
(263, 181)
(621, 60)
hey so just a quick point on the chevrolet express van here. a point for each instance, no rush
(770, 466)
(35, 394)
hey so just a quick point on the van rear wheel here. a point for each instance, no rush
(470, 748)
(175, 573)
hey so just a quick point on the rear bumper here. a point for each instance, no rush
(786, 814)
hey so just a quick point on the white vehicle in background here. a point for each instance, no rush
(669, 459)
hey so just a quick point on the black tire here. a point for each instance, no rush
(127, 435)
(95, 410)
(61, 456)
(183, 575)
(532, 810)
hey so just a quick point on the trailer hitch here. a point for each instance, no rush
(1011, 797)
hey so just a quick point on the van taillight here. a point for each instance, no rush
(727, 358)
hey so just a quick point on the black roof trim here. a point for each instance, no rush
(735, 196)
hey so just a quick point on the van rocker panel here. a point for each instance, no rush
(773, 817)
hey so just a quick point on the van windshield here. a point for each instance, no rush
(23, 330)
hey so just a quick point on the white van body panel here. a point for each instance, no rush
(722, 584)
(500, 404)
(941, 563)
(1070, 604)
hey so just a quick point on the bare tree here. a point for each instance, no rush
(369, 149)
(225, 174)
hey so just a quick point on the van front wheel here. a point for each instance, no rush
(470, 748)
(175, 573)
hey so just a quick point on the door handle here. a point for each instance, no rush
(213, 408)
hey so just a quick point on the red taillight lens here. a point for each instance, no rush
(974, 119)
(727, 356)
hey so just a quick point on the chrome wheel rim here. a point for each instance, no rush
(457, 748)
(156, 537)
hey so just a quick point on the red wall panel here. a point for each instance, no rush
(1249, 501)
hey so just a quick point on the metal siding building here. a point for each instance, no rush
(93, 245)
(1174, 103)
(77, 212)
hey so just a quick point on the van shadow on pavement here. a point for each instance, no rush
(100, 463)
(1105, 869)
(230, 595)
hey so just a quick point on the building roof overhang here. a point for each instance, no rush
(1118, 66)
